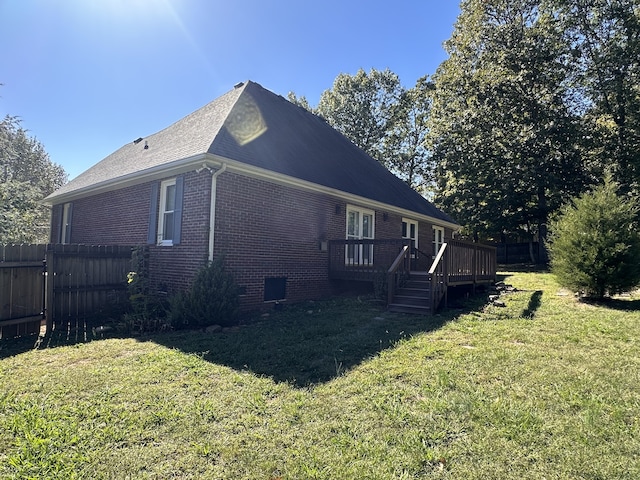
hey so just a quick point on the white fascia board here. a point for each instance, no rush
(156, 173)
(264, 174)
(215, 161)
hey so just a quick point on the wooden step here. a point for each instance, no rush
(415, 309)
(413, 296)
(411, 300)
(413, 292)
(411, 283)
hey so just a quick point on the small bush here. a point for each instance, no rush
(595, 243)
(148, 309)
(212, 300)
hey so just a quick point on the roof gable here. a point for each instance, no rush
(254, 126)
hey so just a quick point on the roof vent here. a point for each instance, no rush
(146, 145)
(238, 85)
(137, 140)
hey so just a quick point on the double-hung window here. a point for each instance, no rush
(165, 212)
(166, 231)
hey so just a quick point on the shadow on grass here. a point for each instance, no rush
(10, 347)
(615, 303)
(534, 304)
(308, 344)
(64, 334)
(303, 345)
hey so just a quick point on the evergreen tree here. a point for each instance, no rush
(595, 242)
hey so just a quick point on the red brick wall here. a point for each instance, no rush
(267, 230)
(173, 267)
(120, 217)
(263, 230)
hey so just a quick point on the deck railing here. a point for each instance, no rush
(470, 263)
(362, 260)
(457, 263)
(398, 272)
(460, 263)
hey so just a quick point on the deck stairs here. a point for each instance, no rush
(414, 295)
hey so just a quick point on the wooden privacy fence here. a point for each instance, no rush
(62, 284)
(22, 289)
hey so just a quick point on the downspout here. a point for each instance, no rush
(212, 208)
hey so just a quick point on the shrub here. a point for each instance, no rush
(595, 244)
(148, 309)
(212, 300)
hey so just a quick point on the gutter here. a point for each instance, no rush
(212, 208)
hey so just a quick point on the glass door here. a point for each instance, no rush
(359, 227)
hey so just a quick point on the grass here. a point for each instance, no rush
(545, 387)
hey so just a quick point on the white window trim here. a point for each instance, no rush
(410, 222)
(161, 211)
(362, 212)
(437, 244)
(66, 228)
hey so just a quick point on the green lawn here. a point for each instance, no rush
(543, 388)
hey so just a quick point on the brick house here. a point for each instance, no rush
(254, 177)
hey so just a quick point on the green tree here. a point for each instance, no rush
(360, 107)
(27, 175)
(595, 242)
(404, 149)
(605, 69)
(502, 131)
(300, 101)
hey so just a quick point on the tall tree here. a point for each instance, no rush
(605, 37)
(27, 175)
(404, 146)
(360, 106)
(502, 131)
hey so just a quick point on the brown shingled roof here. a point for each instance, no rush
(254, 126)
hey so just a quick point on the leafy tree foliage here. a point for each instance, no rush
(383, 118)
(605, 69)
(300, 101)
(405, 150)
(503, 134)
(27, 175)
(361, 106)
(595, 243)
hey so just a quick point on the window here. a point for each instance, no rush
(410, 231)
(360, 226)
(165, 212)
(65, 227)
(166, 231)
(438, 239)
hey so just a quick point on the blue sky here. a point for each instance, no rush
(88, 76)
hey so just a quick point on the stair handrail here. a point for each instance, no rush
(438, 268)
(393, 279)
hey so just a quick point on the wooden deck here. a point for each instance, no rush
(415, 281)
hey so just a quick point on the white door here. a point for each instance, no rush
(410, 232)
(438, 239)
(359, 227)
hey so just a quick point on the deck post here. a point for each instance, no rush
(474, 267)
(445, 267)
